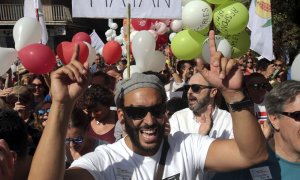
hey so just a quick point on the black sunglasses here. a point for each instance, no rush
(139, 113)
(195, 87)
(278, 65)
(295, 115)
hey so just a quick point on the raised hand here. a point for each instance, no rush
(223, 73)
(70, 81)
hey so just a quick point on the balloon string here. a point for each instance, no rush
(18, 82)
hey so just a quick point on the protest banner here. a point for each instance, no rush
(152, 9)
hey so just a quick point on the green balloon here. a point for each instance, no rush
(240, 43)
(216, 1)
(204, 31)
(187, 44)
(231, 18)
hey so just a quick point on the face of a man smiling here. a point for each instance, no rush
(144, 115)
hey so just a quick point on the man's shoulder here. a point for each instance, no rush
(183, 113)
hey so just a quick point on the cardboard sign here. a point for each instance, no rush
(152, 9)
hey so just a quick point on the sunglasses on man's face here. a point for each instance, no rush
(294, 115)
(195, 87)
(277, 65)
(41, 112)
(139, 113)
(76, 140)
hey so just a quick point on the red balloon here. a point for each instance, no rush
(37, 58)
(65, 51)
(82, 36)
(141, 24)
(112, 52)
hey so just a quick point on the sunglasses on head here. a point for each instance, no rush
(76, 140)
(139, 113)
(294, 115)
(195, 87)
(41, 112)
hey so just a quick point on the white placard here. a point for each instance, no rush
(97, 42)
(152, 9)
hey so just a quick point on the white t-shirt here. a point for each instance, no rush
(185, 121)
(185, 158)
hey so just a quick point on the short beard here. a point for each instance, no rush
(133, 134)
(201, 104)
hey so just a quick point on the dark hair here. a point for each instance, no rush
(44, 85)
(13, 131)
(263, 64)
(175, 104)
(282, 94)
(106, 77)
(97, 94)
(79, 119)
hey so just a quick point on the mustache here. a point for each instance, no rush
(146, 127)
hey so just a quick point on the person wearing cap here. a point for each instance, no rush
(145, 153)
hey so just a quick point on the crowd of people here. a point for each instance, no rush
(230, 119)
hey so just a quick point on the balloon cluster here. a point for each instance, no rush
(189, 37)
(86, 51)
(35, 57)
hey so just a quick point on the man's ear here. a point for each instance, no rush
(213, 92)
(121, 116)
(15, 156)
(274, 121)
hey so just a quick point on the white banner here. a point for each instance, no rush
(97, 43)
(152, 9)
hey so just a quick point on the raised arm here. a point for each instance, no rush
(249, 146)
(67, 84)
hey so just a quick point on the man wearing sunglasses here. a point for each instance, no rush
(202, 116)
(283, 108)
(145, 153)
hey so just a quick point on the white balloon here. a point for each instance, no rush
(7, 58)
(154, 34)
(119, 39)
(92, 53)
(114, 26)
(26, 31)
(295, 73)
(143, 44)
(184, 2)
(196, 15)
(133, 69)
(161, 28)
(154, 62)
(132, 34)
(109, 39)
(108, 33)
(171, 36)
(222, 45)
(176, 25)
(124, 50)
(101, 50)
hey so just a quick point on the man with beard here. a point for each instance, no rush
(202, 116)
(144, 153)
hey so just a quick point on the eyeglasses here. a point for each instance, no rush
(195, 87)
(295, 115)
(277, 65)
(76, 140)
(139, 113)
(41, 112)
(249, 62)
(260, 86)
